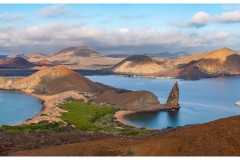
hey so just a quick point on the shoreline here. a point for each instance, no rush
(36, 117)
(120, 117)
(42, 101)
(50, 111)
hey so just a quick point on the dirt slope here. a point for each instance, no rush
(56, 80)
(16, 63)
(81, 57)
(217, 138)
(210, 64)
(139, 65)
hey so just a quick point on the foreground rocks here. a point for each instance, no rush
(217, 138)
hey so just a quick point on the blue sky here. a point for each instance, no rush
(118, 28)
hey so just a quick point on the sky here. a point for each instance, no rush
(118, 28)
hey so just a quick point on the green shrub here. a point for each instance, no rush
(41, 126)
(83, 116)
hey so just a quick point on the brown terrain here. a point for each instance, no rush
(54, 84)
(139, 65)
(217, 138)
(81, 57)
(16, 63)
(210, 64)
(220, 62)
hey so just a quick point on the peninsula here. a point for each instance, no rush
(54, 84)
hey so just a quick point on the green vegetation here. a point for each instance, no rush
(84, 116)
(81, 116)
(92, 117)
(41, 126)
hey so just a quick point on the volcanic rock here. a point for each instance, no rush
(138, 65)
(16, 63)
(131, 101)
(82, 51)
(173, 98)
(210, 64)
(56, 80)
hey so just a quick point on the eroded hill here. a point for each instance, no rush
(210, 64)
(16, 63)
(80, 57)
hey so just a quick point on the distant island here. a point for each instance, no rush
(222, 62)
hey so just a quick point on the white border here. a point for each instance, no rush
(120, 1)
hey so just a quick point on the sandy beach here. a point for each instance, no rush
(120, 114)
(50, 110)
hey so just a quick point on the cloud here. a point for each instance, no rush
(221, 35)
(10, 17)
(123, 30)
(201, 19)
(130, 17)
(61, 10)
(53, 37)
(54, 11)
(228, 17)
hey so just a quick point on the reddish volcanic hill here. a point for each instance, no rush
(225, 61)
(78, 58)
(219, 62)
(82, 51)
(132, 101)
(16, 63)
(56, 80)
(139, 65)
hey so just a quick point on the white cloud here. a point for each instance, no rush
(222, 35)
(61, 10)
(10, 17)
(54, 11)
(123, 30)
(134, 17)
(228, 17)
(53, 37)
(201, 19)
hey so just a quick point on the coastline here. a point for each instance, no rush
(50, 111)
(120, 117)
(44, 109)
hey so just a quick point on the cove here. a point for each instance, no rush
(201, 101)
(16, 107)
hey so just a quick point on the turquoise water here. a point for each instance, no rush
(16, 107)
(201, 101)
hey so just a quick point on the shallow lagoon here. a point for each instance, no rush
(16, 107)
(201, 101)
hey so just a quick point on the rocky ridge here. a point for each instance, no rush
(220, 62)
(16, 63)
